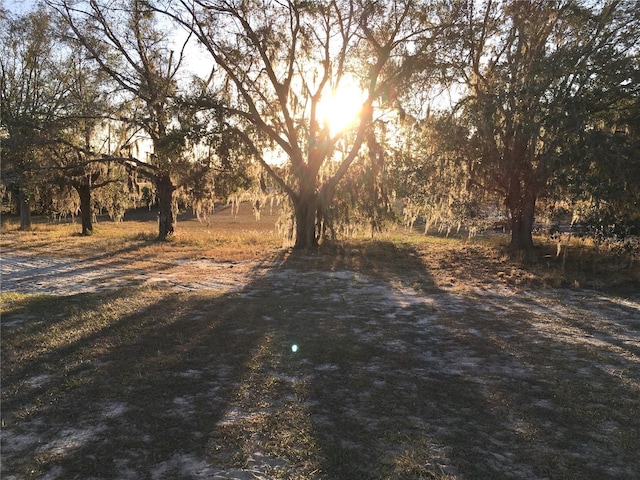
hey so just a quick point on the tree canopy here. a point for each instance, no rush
(538, 75)
(278, 64)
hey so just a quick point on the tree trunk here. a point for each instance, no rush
(25, 210)
(168, 216)
(305, 208)
(86, 214)
(521, 207)
(325, 215)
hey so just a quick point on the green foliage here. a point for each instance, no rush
(115, 200)
(601, 179)
(171, 145)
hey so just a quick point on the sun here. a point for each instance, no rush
(340, 109)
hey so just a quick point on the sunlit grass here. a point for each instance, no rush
(224, 237)
(566, 262)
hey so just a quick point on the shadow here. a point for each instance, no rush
(351, 362)
(570, 388)
(120, 382)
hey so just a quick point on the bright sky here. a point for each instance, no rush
(18, 6)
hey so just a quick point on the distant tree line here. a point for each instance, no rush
(529, 106)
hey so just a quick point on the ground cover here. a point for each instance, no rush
(220, 355)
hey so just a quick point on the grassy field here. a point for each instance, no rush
(402, 357)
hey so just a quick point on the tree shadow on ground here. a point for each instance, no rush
(342, 364)
(118, 382)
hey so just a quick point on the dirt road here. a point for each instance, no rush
(29, 273)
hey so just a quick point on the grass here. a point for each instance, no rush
(579, 263)
(228, 237)
(418, 358)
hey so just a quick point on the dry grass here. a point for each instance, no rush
(417, 358)
(226, 237)
(579, 263)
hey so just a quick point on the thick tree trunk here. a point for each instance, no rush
(305, 208)
(25, 210)
(522, 208)
(168, 216)
(86, 215)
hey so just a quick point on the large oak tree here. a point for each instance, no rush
(537, 74)
(276, 61)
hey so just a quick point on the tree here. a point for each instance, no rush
(32, 97)
(430, 173)
(279, 61)
(88, 133)
(602, 184)
(537, 73)
(127, 42)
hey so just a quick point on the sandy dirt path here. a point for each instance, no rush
(30, 273)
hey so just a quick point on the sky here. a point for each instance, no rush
(18, 6)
